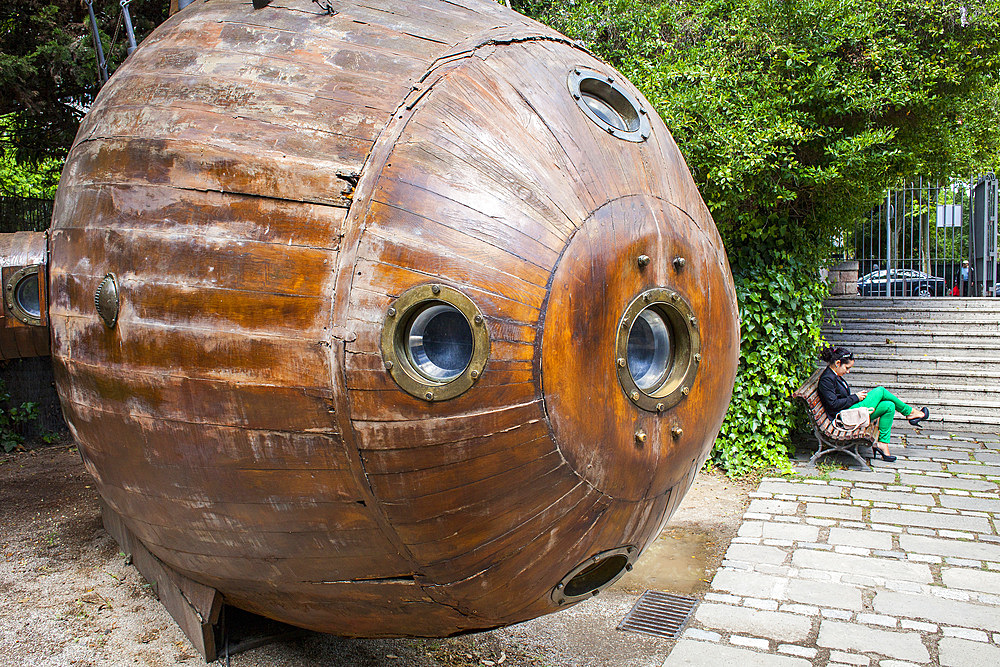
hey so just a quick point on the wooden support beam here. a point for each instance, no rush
(194, 607)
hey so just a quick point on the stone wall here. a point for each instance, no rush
(843, 278)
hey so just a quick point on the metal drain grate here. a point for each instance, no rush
(660, 614)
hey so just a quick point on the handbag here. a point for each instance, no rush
(852, 418)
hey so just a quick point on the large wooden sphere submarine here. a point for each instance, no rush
(409, 320)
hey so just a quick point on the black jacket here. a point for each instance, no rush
(834, 393)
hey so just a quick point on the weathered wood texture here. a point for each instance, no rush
(264, 184)
(17, 339)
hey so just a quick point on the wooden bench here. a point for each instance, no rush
(830, 438)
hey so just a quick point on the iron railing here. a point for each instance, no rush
(24, 214)
(916, 240)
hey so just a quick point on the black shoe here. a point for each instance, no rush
(876, 452)
(916, 420)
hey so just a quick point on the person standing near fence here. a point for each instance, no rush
(966, 279)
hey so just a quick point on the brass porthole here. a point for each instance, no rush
(22, 293)
(593, 575)
(435, 342)
(657, 349)
(610, 105)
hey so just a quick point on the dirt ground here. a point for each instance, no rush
(68, 597)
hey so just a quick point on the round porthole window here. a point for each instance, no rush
(658, 349)
(434, 342)
(609, 104)
(23, 296)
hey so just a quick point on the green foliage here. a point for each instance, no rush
(18, 179)
(780, 318)
(794, 117)
(11, 418)
(48, 70)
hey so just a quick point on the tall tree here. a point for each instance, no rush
(48, 69)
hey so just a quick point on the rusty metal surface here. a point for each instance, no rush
(264, 185)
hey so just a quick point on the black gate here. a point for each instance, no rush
(930, 238)
(24, 214)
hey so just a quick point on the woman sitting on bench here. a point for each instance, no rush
(835, 394)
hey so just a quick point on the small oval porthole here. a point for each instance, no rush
(434, 342)
(593, 575)
(608, 104)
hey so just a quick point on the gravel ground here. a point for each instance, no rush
(68, 597)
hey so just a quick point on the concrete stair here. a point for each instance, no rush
(940, 352)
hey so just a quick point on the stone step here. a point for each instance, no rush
(954, 423)
(896, 376)
(916, 305)
(989, 393)
(951, 339)
(988, 325)
(931, 363)
(936, 351)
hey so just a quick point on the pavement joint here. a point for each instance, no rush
(896, 567)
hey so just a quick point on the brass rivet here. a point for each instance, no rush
(674, 297)
(392, 312)
(645, 297)
(679, 263)
(693, 320)
(685, 390)
(474, 374)
(640, 437)
(677, 432)
(660, 407)
(635, 396)
(478, 319)
(697, 358)
(436, 289)
(388, 365)
(429, 396)
(621, 362)
(643, 261)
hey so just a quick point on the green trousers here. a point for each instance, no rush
(884, 407)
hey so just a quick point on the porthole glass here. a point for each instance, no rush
(650, 350)
(605, 111)
(439, 342)
(26, 295)
(609, 104)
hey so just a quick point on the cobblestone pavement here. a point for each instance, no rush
(895, 567)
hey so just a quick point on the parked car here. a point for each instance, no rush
(902, 282)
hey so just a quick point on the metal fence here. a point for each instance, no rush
(24, 214)
(916, 240)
